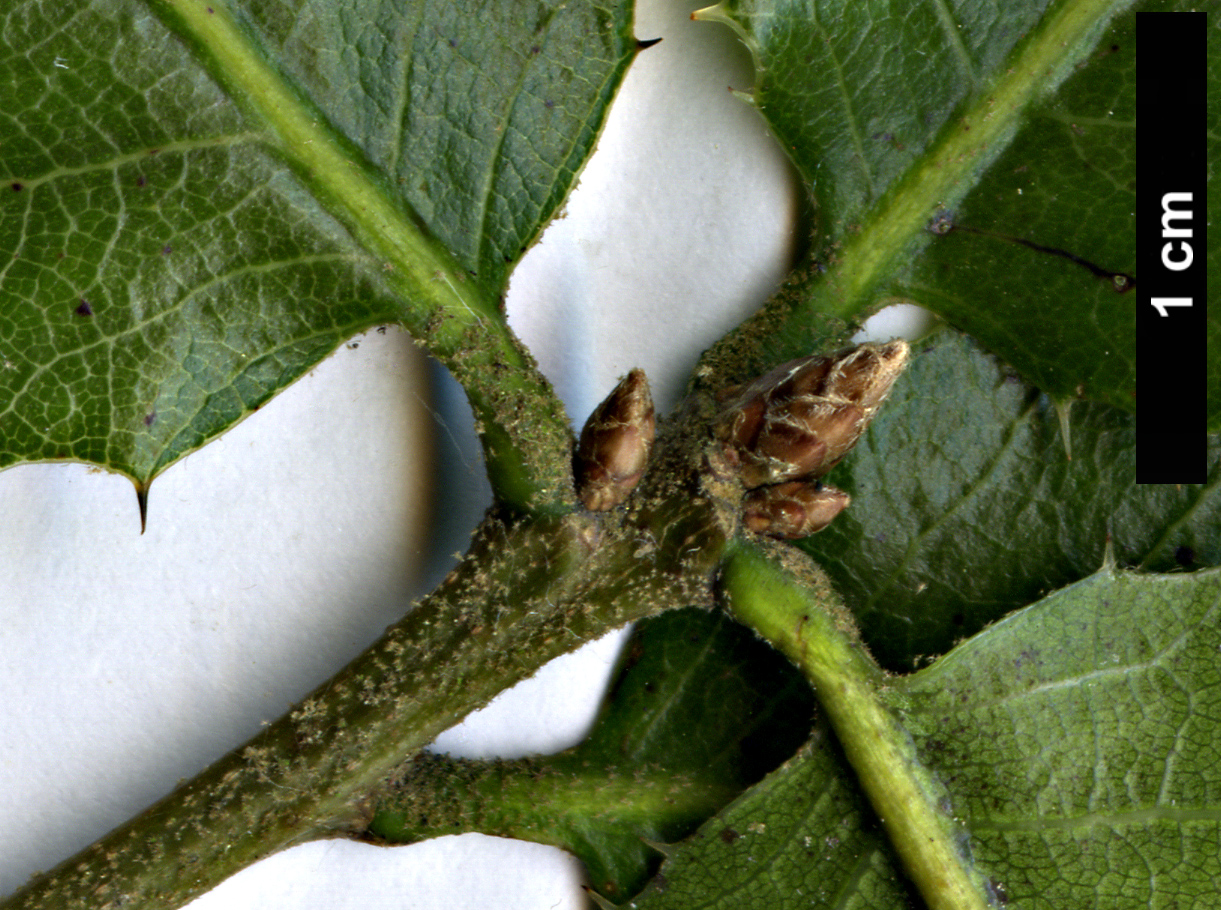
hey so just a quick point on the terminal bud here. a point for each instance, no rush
(791, 510)
(615, 444)
(800, 419)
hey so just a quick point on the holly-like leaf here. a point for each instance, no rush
(976, 159)
(966, 504)
(1077, 738)
(202, 202)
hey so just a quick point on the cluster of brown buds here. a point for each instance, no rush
(784, 430)
(615, 444)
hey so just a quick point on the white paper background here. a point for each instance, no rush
(276, 554)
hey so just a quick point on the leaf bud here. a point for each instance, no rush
(800, 419)
(615, 444)
(791, 510)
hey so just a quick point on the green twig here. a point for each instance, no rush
(789, 602)
(613, 820)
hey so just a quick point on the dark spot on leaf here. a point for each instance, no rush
(958, 619)
(17, 187)
(882, 137)
(140, 181)
(1114, 48)
(728, 835)
(549, 104)
(635, 652)
(534, 50)
(149, 418)
(153, 151)
(942, 224)
(84, 309)
(453, 43)
(166, 250)
(1184, 556)
(650, 687)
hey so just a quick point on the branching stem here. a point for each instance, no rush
(528, 591)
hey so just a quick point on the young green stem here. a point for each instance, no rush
(602, 815)
(790, 603)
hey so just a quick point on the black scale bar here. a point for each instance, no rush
(1171, 248)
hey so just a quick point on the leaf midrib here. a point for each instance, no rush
(342, 182)
(969, 144)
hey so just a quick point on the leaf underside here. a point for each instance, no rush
(1078, 740)
(967, 505)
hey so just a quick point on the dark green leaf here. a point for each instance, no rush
(481, 116)
(976, 159)
(172, 259)
(801, 838)
(966, 505)
(697, 693)
(1040, 265)
(1078, 739)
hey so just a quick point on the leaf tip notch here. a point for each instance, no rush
(598, 900)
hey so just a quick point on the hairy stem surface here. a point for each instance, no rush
(527, 592)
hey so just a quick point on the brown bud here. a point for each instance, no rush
(615, 444)
(794, 509)
(804, 416)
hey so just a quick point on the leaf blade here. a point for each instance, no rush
(262, 236)
(929, 143)
(966, 504)
(1031, 804)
